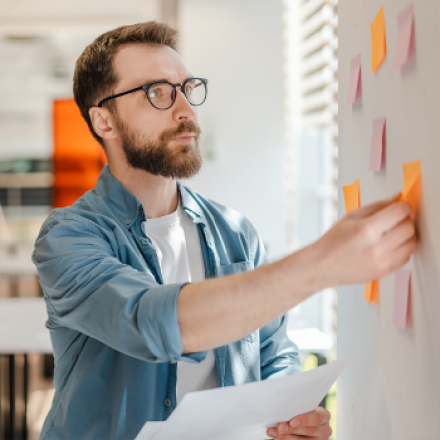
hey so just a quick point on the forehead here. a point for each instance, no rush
(137, 64)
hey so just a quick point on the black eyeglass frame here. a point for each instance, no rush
(146, 87)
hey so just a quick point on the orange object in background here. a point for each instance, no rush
(78, 158)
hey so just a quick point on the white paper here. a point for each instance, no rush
(149, 429)
(245, 411)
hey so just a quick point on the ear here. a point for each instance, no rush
(102, 121)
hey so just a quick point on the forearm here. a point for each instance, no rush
(367, 244)
(222, 310)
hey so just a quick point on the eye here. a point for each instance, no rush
(156, 93)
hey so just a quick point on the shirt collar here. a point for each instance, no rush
(126, 205)
(188, 202)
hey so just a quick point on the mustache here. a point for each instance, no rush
(184, 127)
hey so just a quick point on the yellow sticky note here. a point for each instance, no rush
(412, 174)
(378, 40)
(372, 291)
(352, 196)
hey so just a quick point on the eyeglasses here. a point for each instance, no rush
(162, 94)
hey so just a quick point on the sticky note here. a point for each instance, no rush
(352, 196)
(412, 175)
(355, 85)
(405, 37)
(378, 40)
(402, 299)
(372, 291)
(378, 145)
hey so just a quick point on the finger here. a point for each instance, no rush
(272, 433)
(370, 209)
(280, 431)
(283, 428)
(396, 237)
(399, 256)
(294, 437)
(386, 219)
(277, 436)
(317, 432)
(314, 418)
(291, 437)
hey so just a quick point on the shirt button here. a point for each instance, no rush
(168, 402)
(127, 221)
(144, 241)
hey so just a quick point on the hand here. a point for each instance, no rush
(367, 244)
(313, 425)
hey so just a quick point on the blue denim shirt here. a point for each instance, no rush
(113, 321)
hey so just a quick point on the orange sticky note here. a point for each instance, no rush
(412, 175)
(352, 196)
(378, 40)
(372, 291)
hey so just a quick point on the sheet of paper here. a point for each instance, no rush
(245, 412)
(378, 145)
(402, 299)
(378, 40)
(372, 291)
(405, 37)
(355, 85)
(352, 196)
(149, 429)
(412, 175)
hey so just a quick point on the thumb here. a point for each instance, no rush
(372, 208)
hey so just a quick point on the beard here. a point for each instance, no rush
(157, 157)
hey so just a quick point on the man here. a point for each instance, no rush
(149, 286)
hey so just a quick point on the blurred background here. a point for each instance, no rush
(269, 144)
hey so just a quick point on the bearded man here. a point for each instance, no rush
(153, 290)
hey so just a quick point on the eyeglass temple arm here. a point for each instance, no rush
(120, 94)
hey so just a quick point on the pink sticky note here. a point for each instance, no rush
(402, 299)
(378, 145)
(405, 37)
(355, 86)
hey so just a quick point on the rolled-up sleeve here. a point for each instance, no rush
(89, 290)
(279, 355)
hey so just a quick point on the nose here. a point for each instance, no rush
(182, 109)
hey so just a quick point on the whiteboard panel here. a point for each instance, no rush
(391, 389)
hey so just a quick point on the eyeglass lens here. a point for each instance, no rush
(162, 95)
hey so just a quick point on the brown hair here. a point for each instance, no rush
(94, 76)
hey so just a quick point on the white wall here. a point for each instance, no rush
(39, 45)
(238, 46)
(391, 388)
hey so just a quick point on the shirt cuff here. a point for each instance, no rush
(162, 327)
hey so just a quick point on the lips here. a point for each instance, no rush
(184, 138)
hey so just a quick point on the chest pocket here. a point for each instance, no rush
(235, 268)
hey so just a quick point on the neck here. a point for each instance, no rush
(157, 194)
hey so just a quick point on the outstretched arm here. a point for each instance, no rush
(367, 244)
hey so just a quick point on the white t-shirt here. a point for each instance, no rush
(179, 252)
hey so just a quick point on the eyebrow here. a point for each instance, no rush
(164, 80)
